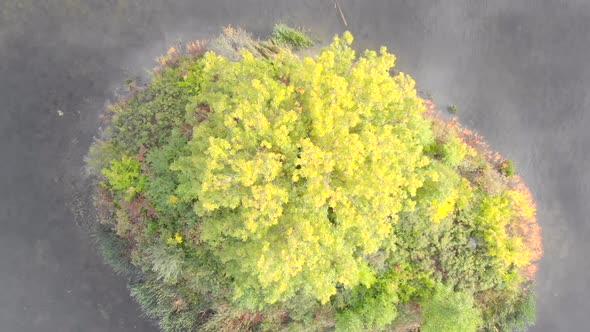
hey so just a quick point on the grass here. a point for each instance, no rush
(296, 38)
(114, 252)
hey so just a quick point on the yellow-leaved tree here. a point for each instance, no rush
(301, 168)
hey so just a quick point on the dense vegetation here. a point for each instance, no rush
(246, 188)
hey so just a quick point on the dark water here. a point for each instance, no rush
(518, 72)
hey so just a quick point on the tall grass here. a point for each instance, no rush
(296, 38)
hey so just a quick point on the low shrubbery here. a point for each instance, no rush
(248, 189)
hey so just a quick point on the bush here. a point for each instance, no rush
(509, 310)
(507, 168)
(245, 188)
(449, 311)
(452, 109)
(124, 176)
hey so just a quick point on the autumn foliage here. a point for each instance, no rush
(252, 189)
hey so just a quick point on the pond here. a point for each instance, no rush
(517, 72)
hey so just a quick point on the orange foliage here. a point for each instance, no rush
(197, 47)
(174, 54)
(527, 226)
(170, 58)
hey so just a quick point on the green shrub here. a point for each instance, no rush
(453, 152)
(509, 310)
(124, 176)
(373, 307)
(507, 168)
(100, 155)
(450, 311)
(147, 118)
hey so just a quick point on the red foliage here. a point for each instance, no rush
(469, 137)
(186, 130)
(203, 112)
(170, 58)
(141, 153)
(138, 208)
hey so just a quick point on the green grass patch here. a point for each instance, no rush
(296, 38)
